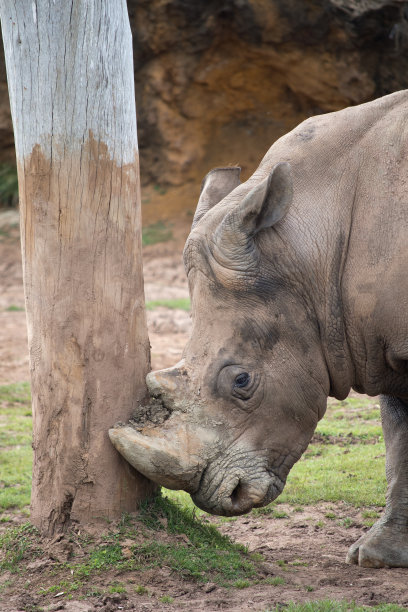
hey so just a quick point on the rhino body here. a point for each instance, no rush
(299, 288)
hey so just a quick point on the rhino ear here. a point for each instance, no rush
(216, 185)
(268, 202)
(262, 207)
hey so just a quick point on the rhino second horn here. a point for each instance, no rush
(216, 185)
(265, 205)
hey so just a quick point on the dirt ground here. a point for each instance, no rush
(305, 549)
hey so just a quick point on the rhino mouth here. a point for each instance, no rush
(236, 493)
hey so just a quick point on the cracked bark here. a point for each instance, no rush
(70, 76)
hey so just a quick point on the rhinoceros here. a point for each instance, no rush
(298, 280)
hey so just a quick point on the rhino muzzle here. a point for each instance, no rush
(239, 494)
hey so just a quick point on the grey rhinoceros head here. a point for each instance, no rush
(242, 405)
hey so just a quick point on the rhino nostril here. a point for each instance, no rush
(236, 494)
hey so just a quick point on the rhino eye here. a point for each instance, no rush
(242, 380)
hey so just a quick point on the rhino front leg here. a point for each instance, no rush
(386, 544)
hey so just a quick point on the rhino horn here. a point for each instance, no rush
(216, 185)
(156, 457)
(265, 205)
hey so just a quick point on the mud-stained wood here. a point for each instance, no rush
(70, 78)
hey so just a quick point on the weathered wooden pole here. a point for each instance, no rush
(70, 75)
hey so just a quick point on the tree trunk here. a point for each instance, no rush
(70, 74)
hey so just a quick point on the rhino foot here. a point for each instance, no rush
(384, 545)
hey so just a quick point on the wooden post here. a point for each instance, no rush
(70, 75)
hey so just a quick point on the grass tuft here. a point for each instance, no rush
(14, 308)
(18, 544)
(206, 554)
(275, 580)
(8, 185)
(156, 232)
(180, 304)
(15, 446)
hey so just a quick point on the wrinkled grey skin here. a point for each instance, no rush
(299, 278)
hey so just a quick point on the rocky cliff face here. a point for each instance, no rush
(217, 81)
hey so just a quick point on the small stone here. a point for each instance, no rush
(183, 538)
(5, 577)
(209, 587)
(56, 606)
(267, 569)
(38, 564)
(76, 606)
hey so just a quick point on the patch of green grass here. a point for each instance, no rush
(8, 185)
(210, 555)
(328, 605)
(332, 472)
(141, 590)
(65, 586)
(370, 514)
(5, 518)
(241, 584)
(17, 393)
(15, 431)
(274, 581)
(93, 592)
(5, 585)
(117, 587)
(15, 446)
(180, 303)
(15, 477)
(18, 544)
(166, 599)
(160, 190)
(202, 553)
(370, 517)
(15, 424)
(156, 232)
(102, 557)
(358, 477)
(14, 308)
(298, 563)
(354, 417)
(271, 510)
(183, 500)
